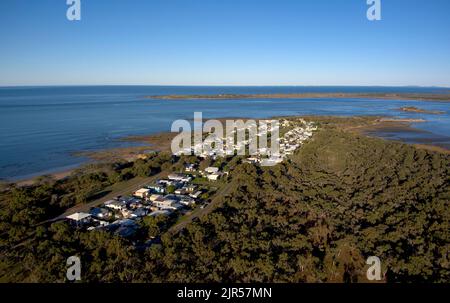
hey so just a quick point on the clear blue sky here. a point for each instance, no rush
(227, 42)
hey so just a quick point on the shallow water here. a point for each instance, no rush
(41, 128)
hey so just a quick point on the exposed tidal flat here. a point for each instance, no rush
(53, 129)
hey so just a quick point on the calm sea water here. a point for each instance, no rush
(42, 127)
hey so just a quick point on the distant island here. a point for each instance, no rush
(383, 96)
(414, 109)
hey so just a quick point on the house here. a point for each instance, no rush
(187, 201)
(114, 204)
(164, 182)
(127, 200)
(169, 202)
(252, 160)
(100, 213)
(80, 218)
(179, 177)
(141, 212)
(172, 197)
(190, 188)
(142, 193)
(124, 222)
(157, 189)
(155, 197)
(181, 191)
(211, 170)
(196, 194)
(126, 213)
(173, 206)
(135, 205)
(213, 177)
(164, 203)
(190, 167)
(101, 223)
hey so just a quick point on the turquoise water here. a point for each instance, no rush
(42, 127)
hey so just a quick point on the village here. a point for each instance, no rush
(181, 193)
(174, 196)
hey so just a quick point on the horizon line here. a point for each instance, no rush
(215, 85)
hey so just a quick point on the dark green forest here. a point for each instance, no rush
(315, 218)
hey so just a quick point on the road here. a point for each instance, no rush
(131, 186)
(202, 212)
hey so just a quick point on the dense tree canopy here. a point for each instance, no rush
(317, 217)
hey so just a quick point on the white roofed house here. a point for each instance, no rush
(164, 203)
(214, 177)
(114, 204)
(179, 177)
(141, 212)
(211, 170)
(80, 219)
(100, 213)
(190, 168)
(169, 202)
(186, 200)
(196, 194)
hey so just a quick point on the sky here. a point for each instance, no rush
(226, 42)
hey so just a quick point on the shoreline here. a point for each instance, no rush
(413, 109)
(379, 96)
(161, 142)
(58, 174)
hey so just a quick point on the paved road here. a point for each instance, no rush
(127, 190)
(202, 212)
(131, 187)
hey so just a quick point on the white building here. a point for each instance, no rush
(142, 193)
(211, 170)
(196, 194)
(80, 218)
(114, 204)
(179, 177)
(156, 197)
(190, 168)
(213, 177)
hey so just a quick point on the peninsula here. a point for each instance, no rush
(381, 96)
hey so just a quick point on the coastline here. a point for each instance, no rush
(161, 142)
(56, 175)
(380, 96)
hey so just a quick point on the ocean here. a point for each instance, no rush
(41, 128)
